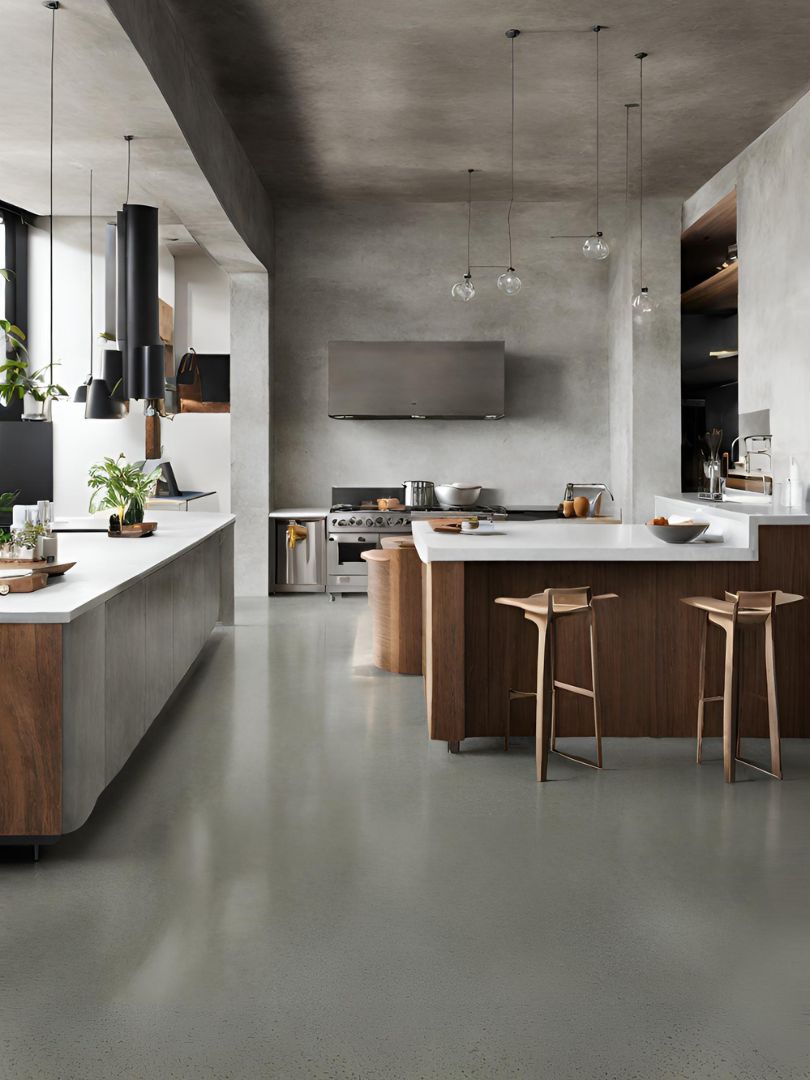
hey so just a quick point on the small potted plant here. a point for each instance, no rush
(32, 388)
(7, 499)
(122, 487)
(27, 540)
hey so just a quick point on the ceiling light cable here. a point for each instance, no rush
(91, 273)
(509, 282)
(53, 6)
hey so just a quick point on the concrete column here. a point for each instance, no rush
(250, 430)
(645, 361)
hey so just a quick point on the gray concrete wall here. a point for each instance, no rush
(645, 358)
(773, 232)
(373, 271)
(251, 481)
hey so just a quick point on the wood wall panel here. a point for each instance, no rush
(648, 643)
(30, 729)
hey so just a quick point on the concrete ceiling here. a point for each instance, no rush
(391, 99)
(102, 91)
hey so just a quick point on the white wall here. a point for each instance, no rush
(773, 232)
(202, 309)
(199, 446)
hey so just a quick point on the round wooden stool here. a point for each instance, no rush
(395, 598)
(737, 614)
(544, 610)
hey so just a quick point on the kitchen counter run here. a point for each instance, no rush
(562, 541)
(105, 567)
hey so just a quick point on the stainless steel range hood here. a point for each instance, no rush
(416, 380)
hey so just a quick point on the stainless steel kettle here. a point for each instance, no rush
(419, 493)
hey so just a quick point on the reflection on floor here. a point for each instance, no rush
(290, 881)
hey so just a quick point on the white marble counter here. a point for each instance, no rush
(298, 512)
(562, 541)
(106, 566)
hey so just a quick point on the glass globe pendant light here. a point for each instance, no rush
(508, 282)
(596, 247)
(464, 290)
(643, 303)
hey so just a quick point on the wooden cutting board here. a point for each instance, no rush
(143, 528)
(451, 525)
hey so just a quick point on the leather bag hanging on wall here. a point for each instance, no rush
(190, 388)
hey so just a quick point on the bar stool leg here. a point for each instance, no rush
(543, 726)
(702, 688)
(731, 693)
(553, 685)
(597, 705)
(773, 704)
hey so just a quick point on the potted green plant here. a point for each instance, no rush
(15, 351)
(31, 388)
(27, 540)
(122, 487)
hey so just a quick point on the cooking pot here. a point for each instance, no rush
(418, 492)
(458, 494)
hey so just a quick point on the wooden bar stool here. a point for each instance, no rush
(545, 609)
(737, 614)
(395, 599)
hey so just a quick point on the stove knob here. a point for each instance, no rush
(380, 521)
(369, 522)
(341, 522)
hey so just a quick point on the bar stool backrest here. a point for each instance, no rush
(565, 599)
(760, 602)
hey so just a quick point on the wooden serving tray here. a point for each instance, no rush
(52, 569)
(143, 528)
(451, 525)
(23, 584)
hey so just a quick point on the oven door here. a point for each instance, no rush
(343, 552)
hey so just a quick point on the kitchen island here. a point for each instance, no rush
(90, 660)
(648, 653)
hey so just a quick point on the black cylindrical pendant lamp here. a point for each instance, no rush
(99, 405)
(121, 288)
(141, 294)
(80, 397)
(149, 361)
(112, 372)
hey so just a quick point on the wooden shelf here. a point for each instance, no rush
(717, 294)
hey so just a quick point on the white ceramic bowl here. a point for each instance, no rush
(457, 494)
(678, 534)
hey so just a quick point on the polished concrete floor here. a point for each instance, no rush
(289, 881)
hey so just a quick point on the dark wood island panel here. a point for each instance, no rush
(648, 643)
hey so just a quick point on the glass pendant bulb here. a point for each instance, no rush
(509, 282)
(595, 247)
(463, 290)
(643, 303)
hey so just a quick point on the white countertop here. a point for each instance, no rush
(106, 566)
(562, 541)
(764, 513)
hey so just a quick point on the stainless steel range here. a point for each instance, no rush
(354, 525)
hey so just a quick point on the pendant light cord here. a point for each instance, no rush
(641, 166)
(129, 162)
(512, 166)
(469, 216)
(91, 274)
(596, 34)
(50, 186)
